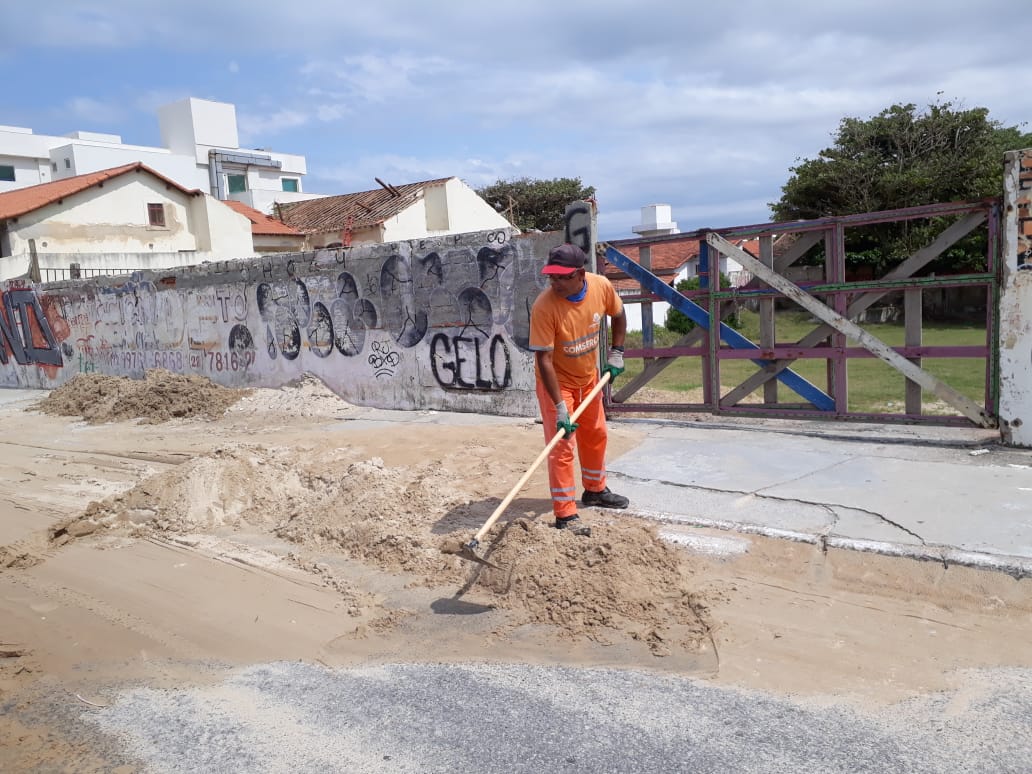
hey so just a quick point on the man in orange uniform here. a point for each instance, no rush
(564, 336)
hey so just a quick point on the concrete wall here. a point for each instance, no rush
(434, 324)
(1016, 302)
(102, 263)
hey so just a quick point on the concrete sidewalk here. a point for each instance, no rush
(951, 495)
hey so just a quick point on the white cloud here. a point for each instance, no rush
(377, 79)
(704, 107)
(94, 112)
(255, 126)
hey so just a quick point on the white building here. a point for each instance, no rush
(119, 220)
(200, 149)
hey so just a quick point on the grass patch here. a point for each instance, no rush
(874, 386)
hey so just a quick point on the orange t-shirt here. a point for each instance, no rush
(570, 329)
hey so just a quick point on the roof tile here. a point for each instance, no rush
(667, 259)
(262, 224)
(24, 200)
(357, 210)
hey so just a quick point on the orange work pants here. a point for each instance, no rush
(589, 442)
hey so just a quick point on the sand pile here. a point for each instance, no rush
(621, 582)
(323, 499)
(233, 486)
(622, 579)
(307, 397)
(161, 395)
(383, 516)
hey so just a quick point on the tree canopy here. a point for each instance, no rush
(902, 157)
(535, 204)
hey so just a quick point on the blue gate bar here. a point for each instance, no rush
(804, 389)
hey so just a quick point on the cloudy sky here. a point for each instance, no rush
(703, 106)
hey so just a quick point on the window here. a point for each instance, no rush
(156, 215)
(289, 184)
(7, 173)
(237, 183)
(53, 165)
(68, 163)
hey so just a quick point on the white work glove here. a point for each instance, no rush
(614, 365)
(562, 419)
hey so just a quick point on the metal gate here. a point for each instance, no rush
(809, 377)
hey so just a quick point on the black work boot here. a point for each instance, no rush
(604, 499)
(573, 524)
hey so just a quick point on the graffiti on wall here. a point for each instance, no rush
(409, 298)
(384, 359)
(448, 313)
(30, 331)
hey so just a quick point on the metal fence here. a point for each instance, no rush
(76, 272)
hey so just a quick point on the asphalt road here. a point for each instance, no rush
(293, 717)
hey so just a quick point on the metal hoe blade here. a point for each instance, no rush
(468, 551)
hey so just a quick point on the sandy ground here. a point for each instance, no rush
(150, 530)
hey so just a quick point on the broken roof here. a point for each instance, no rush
(357, 210)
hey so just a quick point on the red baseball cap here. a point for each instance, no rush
(565, 259)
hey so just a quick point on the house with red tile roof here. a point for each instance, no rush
(671, 256)
(124, 218)
(268, 234)
(392, 213)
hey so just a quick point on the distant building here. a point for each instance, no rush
(672, 260)
(392, 214)
(200, 149)
(199, 162)
(121, 219)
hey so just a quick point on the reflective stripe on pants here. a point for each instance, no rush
(589, 442)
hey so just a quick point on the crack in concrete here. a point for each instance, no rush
(822, 536)
(882, 517)
(809, 473)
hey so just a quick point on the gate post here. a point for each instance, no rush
(1015, 340)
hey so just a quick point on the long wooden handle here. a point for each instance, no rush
(534, 465)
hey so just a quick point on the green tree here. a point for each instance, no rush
(902, 157)
(535, 204)
(678, 321)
